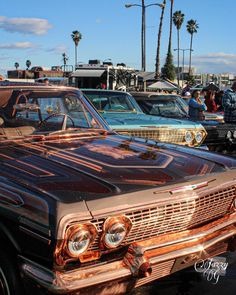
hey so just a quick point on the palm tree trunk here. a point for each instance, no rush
(178, 57)
(75, 56)
(190, 54)
(158, 72)
(171, 24)
(143, 37)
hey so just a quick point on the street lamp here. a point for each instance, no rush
(183, 50)
(143, 29)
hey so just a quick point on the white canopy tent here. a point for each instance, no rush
(163, 85)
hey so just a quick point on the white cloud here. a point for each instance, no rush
(34, 26)
(18, 45)
(58, 49)
(218, 62)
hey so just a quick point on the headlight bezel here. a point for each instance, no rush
(86, 228)
(196, 135)
(189, 133)
(109, 223)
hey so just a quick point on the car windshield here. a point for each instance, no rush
(165, 106)
(44, 112)
(112, 101)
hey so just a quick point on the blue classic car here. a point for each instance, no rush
(221, 137)
(124, 115)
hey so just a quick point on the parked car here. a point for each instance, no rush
(123, 114)
(85, 210)
(220, 137)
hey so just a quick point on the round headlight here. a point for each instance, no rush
(115, 229)
(234, 134)
(229, 134)
(234, 204)
(115, 235)
(79, 238)
(188, 137)
(198, 137)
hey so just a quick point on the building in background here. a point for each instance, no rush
(223, 80)
(37, 72)
(97, 74)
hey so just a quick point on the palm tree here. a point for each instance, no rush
(192, 27)
(28, 63)
(76, 36)
(16, 65)
(64, 58)
(157, 73)
(168, 70)
(178, 19)
(171, 22)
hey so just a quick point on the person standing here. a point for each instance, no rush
(218, 100)
(229, 104)
(210, 102)
(196, 107)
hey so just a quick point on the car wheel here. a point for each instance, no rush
(9, 278)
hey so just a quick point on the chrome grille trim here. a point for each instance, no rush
(174, 216)
(158, 271)
(163, 134)
(175, 136)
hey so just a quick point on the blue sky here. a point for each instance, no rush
(41, 31)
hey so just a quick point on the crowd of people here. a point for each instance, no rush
(212, 101)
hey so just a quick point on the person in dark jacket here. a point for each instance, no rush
(218, 100)
(229, 104)
(196, 107)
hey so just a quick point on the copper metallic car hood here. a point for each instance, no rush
(75, 169)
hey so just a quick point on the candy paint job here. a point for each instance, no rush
(79, 178)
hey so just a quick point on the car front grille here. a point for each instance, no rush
(176, 136)
(158, 271)
(175, 216)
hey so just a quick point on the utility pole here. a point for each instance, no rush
(143, 29)
(182, 72)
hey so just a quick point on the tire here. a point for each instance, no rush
(9, 278)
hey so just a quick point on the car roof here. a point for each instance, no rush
(101, 90)
(151, 95)
(7, 90)
(33, 86)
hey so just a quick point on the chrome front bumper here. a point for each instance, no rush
(164, 255)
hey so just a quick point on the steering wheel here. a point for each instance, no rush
(64, 121)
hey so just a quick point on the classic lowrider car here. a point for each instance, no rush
(123, 114)
(85, 210)
(221, 137)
